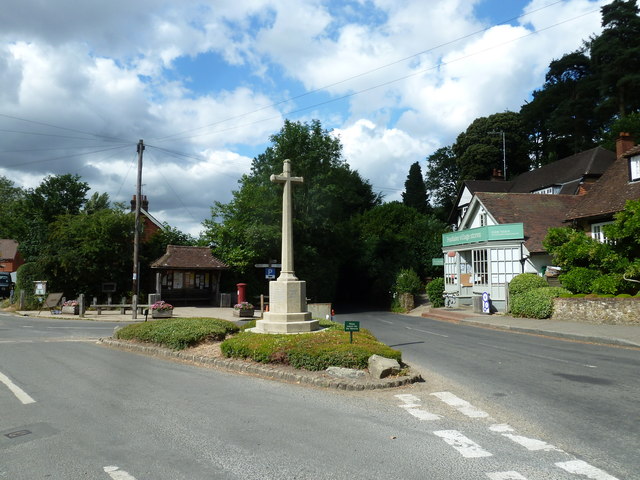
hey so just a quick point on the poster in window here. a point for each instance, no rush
(177, 280)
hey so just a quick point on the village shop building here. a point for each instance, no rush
(500, 237)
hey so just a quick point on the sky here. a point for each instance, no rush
(205, 84)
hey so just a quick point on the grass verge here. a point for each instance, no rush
(178, 333)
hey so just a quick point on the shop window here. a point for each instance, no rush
(480, 267)
(451, 268)
(505, 264)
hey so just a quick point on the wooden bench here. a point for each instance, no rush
(122, 306)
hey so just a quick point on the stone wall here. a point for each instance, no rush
(610, 311)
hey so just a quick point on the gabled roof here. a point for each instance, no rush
(8, 249)
(192, 258)
(590, 163)
(610, 193)
(537, 212)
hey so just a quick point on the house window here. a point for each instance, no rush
(480, 268)
(552, 190)
(634, 168)
(483, 218)
(597, 233)
(505, 264)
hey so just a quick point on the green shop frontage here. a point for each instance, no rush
(483, 260)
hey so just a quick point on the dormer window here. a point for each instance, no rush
(634, 168)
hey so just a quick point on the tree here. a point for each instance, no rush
(561, 118)
(12, 223)
(615, 54)
(83, 250)
(442, 180)
(97, 202)
(247, 230)
(415, 191)
(478, 150)
(392, 237)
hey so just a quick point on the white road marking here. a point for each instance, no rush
(531, 443)
(116, 474)
(427, 331)
(501, 427)
(408, 398)
(505, 476)
(461, 405)
(467, 447)
(423, 414)
(411, 404)
(27, 326)
(583, 468)
(16, 390)
(385, 321)
(545, 357)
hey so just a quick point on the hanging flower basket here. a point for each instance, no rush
(161, 309)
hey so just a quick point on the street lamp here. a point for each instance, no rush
(504, 153)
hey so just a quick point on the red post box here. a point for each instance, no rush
(242, 292)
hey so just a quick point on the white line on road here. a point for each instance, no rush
(423, 414)
(583, 468)
(408, 398)
(116, 474)
(501, 427)
(427, 331)
(461, 405)
(505, 476)
(531, 443)
(467, 447)
(545, 357)
(385, 321)
(16, 390)
(411, 404)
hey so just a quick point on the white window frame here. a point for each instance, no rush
(505, 264)
(597, 233)
(480, 265)
(634, 168)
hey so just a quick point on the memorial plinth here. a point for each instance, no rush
(287, 296)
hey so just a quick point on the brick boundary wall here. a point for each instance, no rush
(607, 311)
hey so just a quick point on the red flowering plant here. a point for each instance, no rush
(161, 306)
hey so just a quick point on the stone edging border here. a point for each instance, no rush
(263, 371)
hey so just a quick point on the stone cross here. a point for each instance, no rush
(287, 272)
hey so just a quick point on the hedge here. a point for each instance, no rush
(537, 303)
(435, 290)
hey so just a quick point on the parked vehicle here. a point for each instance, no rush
(5, 284)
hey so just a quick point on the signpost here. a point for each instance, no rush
(351, 326)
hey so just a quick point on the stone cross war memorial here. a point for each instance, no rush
(288, 311)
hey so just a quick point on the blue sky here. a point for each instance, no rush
(205, 83)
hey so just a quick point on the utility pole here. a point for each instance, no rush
(136, 235)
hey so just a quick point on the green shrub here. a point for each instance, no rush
(311, 351)
(525, 282)
(609, 284)
(624, 295)
(407, 281)
(579, 279)
(178, 333)
(25, 276)
(536, 303)
(435, 290)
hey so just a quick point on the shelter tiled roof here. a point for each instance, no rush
(610, 193)
(192, 258)
(537, 212)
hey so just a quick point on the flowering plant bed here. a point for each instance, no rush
(161, 309)
(71, 307)
(243, 309)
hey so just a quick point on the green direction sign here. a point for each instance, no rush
(437, 262)
(488, 233)
(350, 326)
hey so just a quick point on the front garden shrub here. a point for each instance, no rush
(610, 284)
(536, 303)
(579, 279)
(435, 290)
(524, 282)
(407, 281)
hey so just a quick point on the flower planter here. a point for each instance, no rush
(243, 313)
(161, 313)
(71, 310)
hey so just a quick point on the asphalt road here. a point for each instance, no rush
(581, 397)
(71, 409)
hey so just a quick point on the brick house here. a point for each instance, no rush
(10, 258)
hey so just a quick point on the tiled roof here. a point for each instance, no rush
(609, 194)
(8, 249)
(537, 212)
(192, 258)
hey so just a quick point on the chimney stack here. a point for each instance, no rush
(624, 143)
(144, 205)
(496, 175)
